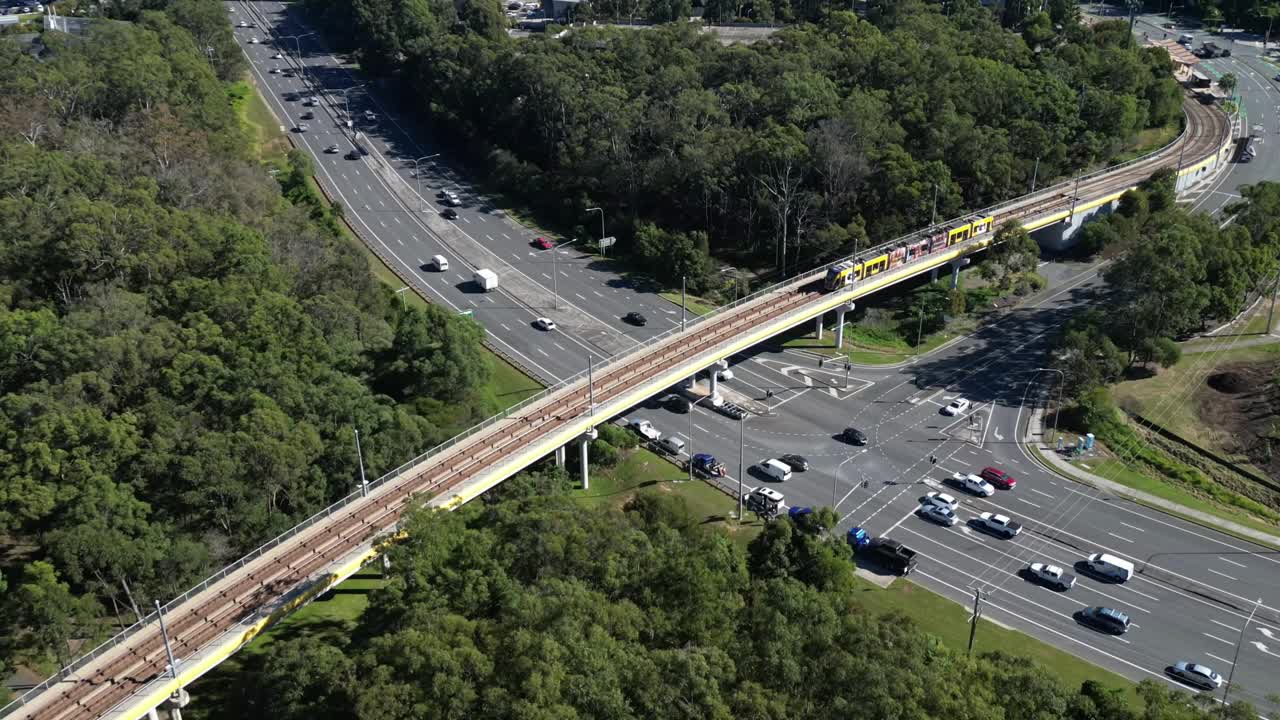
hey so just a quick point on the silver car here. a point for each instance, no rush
(1196, 674)
(940, 514)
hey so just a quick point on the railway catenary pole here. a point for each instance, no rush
(164, 633)
(364, 485)
(1035, 173)
(742, 422)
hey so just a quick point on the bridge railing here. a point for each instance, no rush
(581, 376)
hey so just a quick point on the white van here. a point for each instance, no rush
(671, 444)
(776, 469)
(1186, 39)
(1110, 566)
(439, 263)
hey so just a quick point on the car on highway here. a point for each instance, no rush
(311, 101)
(635, 318)
(332, 149)
(242, 24)
(1196, 674)
(544, 323)
(853, 436)
(1051, 576)
(796, 462)
(253, 41)
(764, 498)
(369, 116)
(449, 214)
(308, 115)
(677, 404)
(452, 201)
(725, 374)
(941, 499)
(542, 243)
(274, 70)
(998, 525)
(956, 407)
(998, 477)
(1108, 620)
(973, 484)
(277, 56)
(940, 514)
(303, 127)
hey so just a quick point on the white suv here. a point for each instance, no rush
(973, 484)
(957, 406)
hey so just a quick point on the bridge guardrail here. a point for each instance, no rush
(581, 376)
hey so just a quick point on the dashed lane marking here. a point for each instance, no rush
(1215, 572)
(1119, 537)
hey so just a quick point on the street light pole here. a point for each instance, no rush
(1231, 673)
(1061, 382)
(690, 450)
(1034, 174)
(401, 292)
(364, 486)
(591, 387)
(555, 268)
(417, 175)
(683, 304)
(742, 422)
(601, 211)
(933, 217)
(297, 44)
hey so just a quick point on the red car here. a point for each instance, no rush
(999, 478)
(543, 244)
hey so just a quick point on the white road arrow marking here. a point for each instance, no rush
(1267, 632)
(1262, 648)
(996, 432)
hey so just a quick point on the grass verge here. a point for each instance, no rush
(1148, 141)
(872, 348)
(696, 305)
(642, 471)
(269, 144)
(949, 621)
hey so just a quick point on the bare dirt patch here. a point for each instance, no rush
(1241, 402)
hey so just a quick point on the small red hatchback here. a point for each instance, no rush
(543, 244)
(999, 478)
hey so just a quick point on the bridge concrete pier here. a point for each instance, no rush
(817, 326)
(955, 270)
(560, 456)
(840, 311)
(933, 275)
(715, 372)
(583, 442)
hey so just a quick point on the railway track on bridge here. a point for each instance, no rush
(117, 673)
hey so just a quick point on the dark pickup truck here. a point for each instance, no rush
(890, 554)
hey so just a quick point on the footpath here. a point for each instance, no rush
(1050, 457)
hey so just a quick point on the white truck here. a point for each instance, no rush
(486, 279)
(646, 430)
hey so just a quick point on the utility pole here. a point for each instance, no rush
(1231, 673)
(919, 330)
(601, 211)
(977, 613)
(683, 304)
(591, 387)
(742, 422)
(933, 217)
(173, 664)
(1075, 195)
(364, 486)
(1035, 173)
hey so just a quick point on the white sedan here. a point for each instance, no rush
(277, 56)
(956, 407)
(253, 41)
(544, 323)
(941, 499)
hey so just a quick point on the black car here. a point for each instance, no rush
(677, 404)
(635, 318)
(854, 436)
(449, 214)
(1105, 619)
(795, 462)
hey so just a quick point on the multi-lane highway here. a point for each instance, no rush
(1191, 601)
(380, 190)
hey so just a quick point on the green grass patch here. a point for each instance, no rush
(949, 621)
(508, 384)
(1120, 472)
(270, 145)
(643, 471)
(873, 346)
(1148, 141)
(695, 305)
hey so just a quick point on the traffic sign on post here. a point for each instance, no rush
(607, 242)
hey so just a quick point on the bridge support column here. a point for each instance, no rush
(175, 703)
(840, 311)
(955, 271)
(560, 456)
(713, 372)
(583, 442)
(153, 715)
(933, 275)
(817, 326)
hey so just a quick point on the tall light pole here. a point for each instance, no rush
(683, 305)
(933, 217)
(1035, 173)
(1062, 381)
(401, 292)
(742, 422)
(417, 175)
(364, 486)
(601, 211)
(555, 268)
(346, 107)
(297, 44)
(1240, 641)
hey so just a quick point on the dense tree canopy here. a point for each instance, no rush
(779, 153)
(184, 353)
(535, 607)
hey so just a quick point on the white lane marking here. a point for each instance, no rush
(506, 236)
(1233, 562)
(1028, 502)
(1040, 492)
(1132, 527)
(504, 327)
(1215, 572)
(490, 238)
(1217, 622)
(596, 293)
(400, 241)
(1120, 537)
(544, 354)
(1215, 637)
(559, 346)
(1220, 659)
